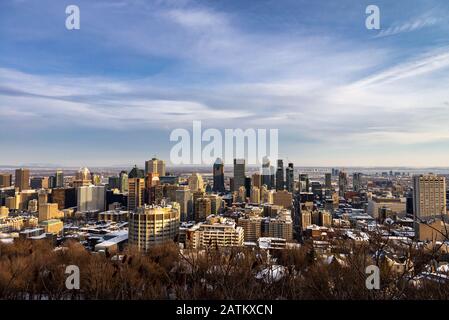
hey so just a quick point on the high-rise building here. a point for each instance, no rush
(184, 198)
(196, 182)
(155, 166)
(136, 193)
(5, 180)
(202, 209)
(113, 182)
(248, 186)
(255, 195)
(152, 225)
(239, 174)
(39, 183)
(91, 198)
(283, 198)
(304, 182)
(289, 178)
(49, 211)
(123, 184)
(257, 180)
(328, 181)
(357, 181)
(279, 227)
(429, 196)
(267, 178)
(82, 178)
(64, 197)
(252, 227)
(218, 173)
(22, 180)
(280, 175)
(59, 179)
(342, 183)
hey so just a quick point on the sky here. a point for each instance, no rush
(111, 92)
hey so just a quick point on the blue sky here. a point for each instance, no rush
(111, 92)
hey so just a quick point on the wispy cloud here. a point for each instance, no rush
(421, 22)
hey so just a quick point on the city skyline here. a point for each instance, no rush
(341, 95)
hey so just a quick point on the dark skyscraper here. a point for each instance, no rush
(328, 181)
(357, 181)
(218, 172)
(342, 183)
(280, 175)
(248, 186)
(289, 178)
(239, 174)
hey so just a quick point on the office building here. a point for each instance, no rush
(280, 175)
(239, 174)
(196, 182)
(39, 183)
(22, 179)
(91, 198)
(218, 174)
(328, 181)
(5, 180)
(256, 180)
(303, 182)
(202, 209)
(283, 198)
(342, 183)
(59, 179)
(184, 198)
(357, 181)
(155, 166)
(136, 193)
(289, 178)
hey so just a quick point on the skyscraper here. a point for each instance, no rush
(266, 173)
(356, 181)
(342, 183)
(239, 174)
(91, 198)
(5, 180)
(218, 172)
(59, 179)
(303, 182)
(280, 175)
(196, 182)
(155, 166)
(289, 177)
(257, 180)
(328, 181)
(136, 193)
(123, 183)
(429, 196)
(184, 198)
(22, 180)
